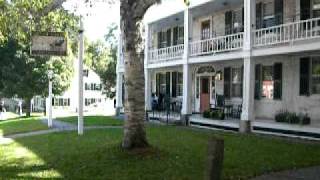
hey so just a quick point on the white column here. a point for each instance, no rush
(119, 93)
(186, 100)
(147, 72)
(50, 104)
(81, 54)
(248, 74)
(298, 10)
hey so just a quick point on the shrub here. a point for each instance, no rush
(292, 118)
(206, 114)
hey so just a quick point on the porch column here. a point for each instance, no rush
(147, 89)
(119, 92)
(186, 100)
(248, 74)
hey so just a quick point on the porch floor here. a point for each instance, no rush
(260, 126)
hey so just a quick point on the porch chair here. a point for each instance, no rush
(236, 111)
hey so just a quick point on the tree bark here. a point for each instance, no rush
(132, 13)
(28, 106)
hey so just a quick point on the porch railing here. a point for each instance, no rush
(167, 53)
(217, 44)
(289, 32)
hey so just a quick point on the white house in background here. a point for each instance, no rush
(262, 56)
(95, 102)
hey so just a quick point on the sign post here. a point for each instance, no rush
(81, 53)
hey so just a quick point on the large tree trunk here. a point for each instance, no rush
(28, 106)
(132, 13)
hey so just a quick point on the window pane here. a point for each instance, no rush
(236, 82)
(316, 76)
(267, 82)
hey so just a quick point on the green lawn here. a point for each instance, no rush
(94, 120)
(21, 125)
(179, 153)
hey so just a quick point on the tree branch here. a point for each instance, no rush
(143, 5)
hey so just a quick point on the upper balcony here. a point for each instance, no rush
(217, 28)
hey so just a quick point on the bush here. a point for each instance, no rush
(292, 118)
(206, 114)
(217, 114)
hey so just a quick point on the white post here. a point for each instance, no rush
(248, 74)
(50, 104)
(186, 97)
(147, 73)
(81, 54)
(119, 93)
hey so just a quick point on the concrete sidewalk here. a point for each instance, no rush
(311, 173)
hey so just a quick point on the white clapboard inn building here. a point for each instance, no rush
(254, 59)
(95, 102)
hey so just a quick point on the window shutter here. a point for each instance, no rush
(227, 82)
(305, 9)
(174, 84)
(169, 38)
(52, 101)
(259, 21)
(175, 35)
(278, 11)
(257, 89)
(158, 84)
(242, 23)
(242, 70)
(228, 22)
(159, 40)
(304, 76)
(277, 92)
(168, 83)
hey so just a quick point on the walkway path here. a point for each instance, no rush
(311, 173)
(58, 126)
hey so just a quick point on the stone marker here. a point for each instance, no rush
(215, 159)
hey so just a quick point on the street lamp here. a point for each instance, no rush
(50, 76)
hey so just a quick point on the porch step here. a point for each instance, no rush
(270, 128)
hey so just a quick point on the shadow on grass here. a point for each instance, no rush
(178, 154)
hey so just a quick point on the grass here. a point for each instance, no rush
(21, 125)
(94, 121)
(178, 153)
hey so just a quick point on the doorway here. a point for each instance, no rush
(204, 94)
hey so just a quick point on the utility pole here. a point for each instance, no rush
(81, 54)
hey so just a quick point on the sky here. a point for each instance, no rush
(102, 14)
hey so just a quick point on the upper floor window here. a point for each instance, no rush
(268, 14)
(93, 87)
(316, 8)
(178, 35)
(61, 102)
(205, 29)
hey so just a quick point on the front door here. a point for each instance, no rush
(205, 94)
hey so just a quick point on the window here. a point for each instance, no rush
(90, 101)
(61, 102)
(85, 73)
(267, 82)
(236, 82)
(179, 84)
(316, 8)
(178, 35)
(162, 84)
(315, 75)
(268, 14)
(205, 29)
(93, 87)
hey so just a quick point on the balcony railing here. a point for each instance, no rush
(164, 54)
(285, 33)
(218, 44)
